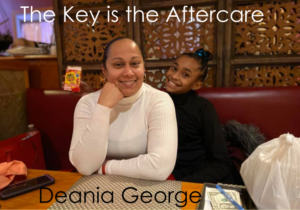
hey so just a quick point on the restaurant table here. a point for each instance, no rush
(63, 181)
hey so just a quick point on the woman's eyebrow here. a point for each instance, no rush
(135, 57)
(117, 58)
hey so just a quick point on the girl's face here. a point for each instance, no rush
(183, 75)
(125, 66)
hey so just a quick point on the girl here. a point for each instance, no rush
(202, 155)
(127, 122)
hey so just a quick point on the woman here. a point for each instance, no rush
(202, 154)
(127, 128)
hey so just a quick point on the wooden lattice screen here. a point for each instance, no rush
(265, 53)
(245, 54)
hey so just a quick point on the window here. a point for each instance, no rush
(34, 31)
(38, 32)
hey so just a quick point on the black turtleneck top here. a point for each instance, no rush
(202, 154)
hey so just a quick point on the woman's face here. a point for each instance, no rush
(183, 75)
(125, 66)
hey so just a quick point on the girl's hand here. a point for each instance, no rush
(110, 95)
(84, 88)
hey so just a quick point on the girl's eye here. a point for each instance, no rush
(185, 75)
(173, 68)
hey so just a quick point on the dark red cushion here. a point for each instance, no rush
(52, 114)
(273, 110)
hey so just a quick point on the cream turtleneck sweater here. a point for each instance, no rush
(138, 136)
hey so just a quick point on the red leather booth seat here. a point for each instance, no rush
(274, 110)
(52, 112)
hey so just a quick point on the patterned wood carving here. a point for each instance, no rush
(70, 3)
(167, 40)
(85, 43)
(278, 33)
(156, 78)
(267, 76)
(210, 79)
(94, 79)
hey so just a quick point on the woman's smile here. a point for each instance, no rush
(128, 84)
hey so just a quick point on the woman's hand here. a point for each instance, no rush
(110, 95)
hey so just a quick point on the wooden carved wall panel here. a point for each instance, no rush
(277, 34)
(85, 43)
(94, 79)
(156, 78)
(166, 40)
(210, 79)
(70, 3)
(267, 76)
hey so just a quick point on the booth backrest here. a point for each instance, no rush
(52, 112)
(274, 110)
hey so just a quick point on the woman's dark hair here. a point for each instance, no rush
(202, 57)
(106, 50)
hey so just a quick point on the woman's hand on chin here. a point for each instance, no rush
(110, 95)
